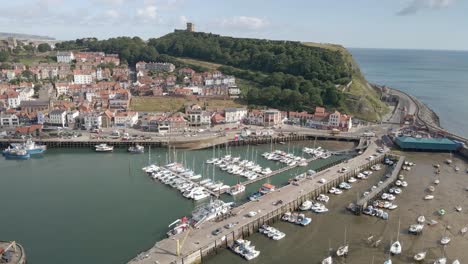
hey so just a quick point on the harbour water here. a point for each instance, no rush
(76, 206)
(437, 78)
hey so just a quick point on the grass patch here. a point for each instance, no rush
(208, 65)
(173, 104)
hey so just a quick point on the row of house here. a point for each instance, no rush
(95, 57)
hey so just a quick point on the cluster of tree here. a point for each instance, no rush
(256, 54)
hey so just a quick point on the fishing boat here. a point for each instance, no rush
(16, 153)
(137, 149)
(236, 189)
(420, 256)
(267, 188)
(104, 148)
(12, 253)
(211, 210)
(30, 146)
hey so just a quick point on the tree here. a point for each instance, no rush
(44, 47)
(4, 56)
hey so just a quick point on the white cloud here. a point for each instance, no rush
(112, 13)
(245, 23)
(148, 12)
(111, 2)
(415, 6)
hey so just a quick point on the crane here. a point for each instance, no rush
(181, 244)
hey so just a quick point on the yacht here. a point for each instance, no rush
(305, 205)
(104, 148)
(236, 189)
(137, 149)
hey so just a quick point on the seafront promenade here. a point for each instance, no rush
(197, 243)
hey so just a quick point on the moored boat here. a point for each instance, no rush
(104, 148)
(16, 153)
(137, 149)
(420, 256)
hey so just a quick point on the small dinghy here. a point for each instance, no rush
(327, 260)
(436, 181)
(342, 251)
(431, 188)
(445, 240)
(421, 219)
(428, 197)
(464, 230)
(456, 261)
(420, 256)
(458, 208)
(441, 212)
(441, 261)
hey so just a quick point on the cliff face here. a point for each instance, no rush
(362, 100)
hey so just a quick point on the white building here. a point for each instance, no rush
(92, 120)
(81, 77)
(199, 118)
(58, 117)
(65, 56)
(234, 91)
(334, 119)
(26, 94)
(62, 88)
(13, 99)
(9, 120)
(71, 118)
(234, 115)
(126, 119)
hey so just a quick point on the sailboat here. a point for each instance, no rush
(395, 248)
(343, 250)
(389, 260)
(329, 259)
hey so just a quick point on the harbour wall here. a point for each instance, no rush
(271, 217)
(193, 144)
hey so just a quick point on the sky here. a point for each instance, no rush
(401, 24)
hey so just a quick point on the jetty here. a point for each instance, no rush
(196, 244)
(377, 192)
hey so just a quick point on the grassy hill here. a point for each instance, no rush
(361, 99)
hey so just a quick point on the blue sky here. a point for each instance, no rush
(413, 24)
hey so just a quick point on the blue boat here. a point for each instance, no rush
(255, 196)
(16, 153)
(31, 147)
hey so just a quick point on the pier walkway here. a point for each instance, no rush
(364, 201)
(196, 244)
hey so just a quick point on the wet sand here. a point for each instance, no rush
(310, 244)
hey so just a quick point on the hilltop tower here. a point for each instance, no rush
(190, 27)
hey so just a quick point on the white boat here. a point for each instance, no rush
(428, 197)
(103, 148)
(421, 219)
(305, 205)
(236, 189)
(323, 198)
(441, 261)
(416, 228)
(420, 256)
(445, 240)
(327, 260)
(211, 210)
(456, 261)
(436, 181)
(458, 208)
(395, 249)
(464, 230)
(343, 250)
